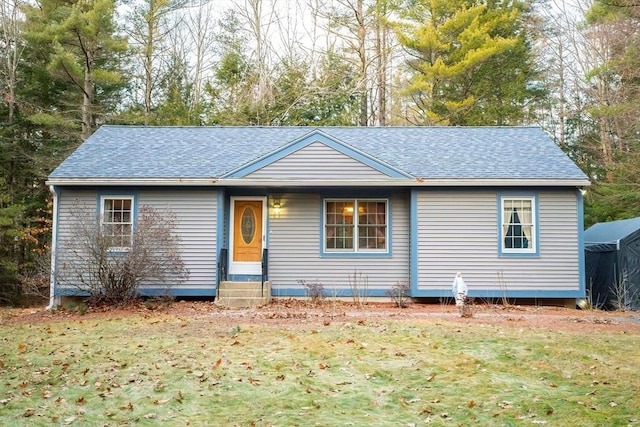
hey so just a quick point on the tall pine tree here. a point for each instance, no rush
(82, 49)
(470, 61)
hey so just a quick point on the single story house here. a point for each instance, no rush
(383, 205)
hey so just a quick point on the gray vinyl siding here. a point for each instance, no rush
(196, 219)
(317, 162)
(458, 231)
(70, 205)
(197, 222)
(295, 249)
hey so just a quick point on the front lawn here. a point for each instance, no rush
(160, 369)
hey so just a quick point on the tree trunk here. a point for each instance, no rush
(256, 20)
(362, 55)
(10, 27)
(381, 57)
(87, 99)
(147, 61)
(561, 102)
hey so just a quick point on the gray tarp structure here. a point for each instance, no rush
(612, 261)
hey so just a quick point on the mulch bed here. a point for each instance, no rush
(296, 312)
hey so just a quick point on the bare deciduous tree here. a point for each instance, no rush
(149, 26)
(590, 88)
(11, 21)
(199, 23)
(259, 18)
(361, 29)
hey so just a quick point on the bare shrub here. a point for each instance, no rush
(359, 284)
(35, 281)
(92, 266)
(314, 290)
(624, 296)
(399, 294)
(590, 302)
(503, 289)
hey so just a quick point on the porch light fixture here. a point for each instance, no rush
(276, 205)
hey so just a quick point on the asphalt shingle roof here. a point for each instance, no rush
(422, 152)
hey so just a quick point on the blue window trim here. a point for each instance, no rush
(355, 253)
(173, 289)
(536, 229)
(581, 257)
(101, 195)
(55, 232)
(221, 210)
(413, 243)
(339, 292)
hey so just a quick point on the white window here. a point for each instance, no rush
(117, 221)
(518, 227)
(355, 225)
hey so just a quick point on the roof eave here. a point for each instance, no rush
(387, 182)
(504, 182)
(159, 182)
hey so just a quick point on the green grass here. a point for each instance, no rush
(162, 370)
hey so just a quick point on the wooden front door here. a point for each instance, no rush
(247, 232)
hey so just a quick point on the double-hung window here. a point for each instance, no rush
(116, 221)
(518, 228)
(355, 225)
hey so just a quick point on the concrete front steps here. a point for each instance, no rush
(243, 294)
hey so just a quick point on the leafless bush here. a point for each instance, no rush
(359, 284)
(399, 293)
(315, 291)
(92, 266)
(503, 289)
(35, 280)
(591, 301)
(624, 296)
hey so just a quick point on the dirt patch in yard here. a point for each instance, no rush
(299, 313)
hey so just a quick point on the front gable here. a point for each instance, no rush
(317, 156)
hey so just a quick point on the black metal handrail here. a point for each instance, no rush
(222, 265)
(265, 268)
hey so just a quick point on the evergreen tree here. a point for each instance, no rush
(471, 63)
(331, 99)
(230, 87)
(615, 111)
(81, 48)
(174, 108)
(148, 27)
